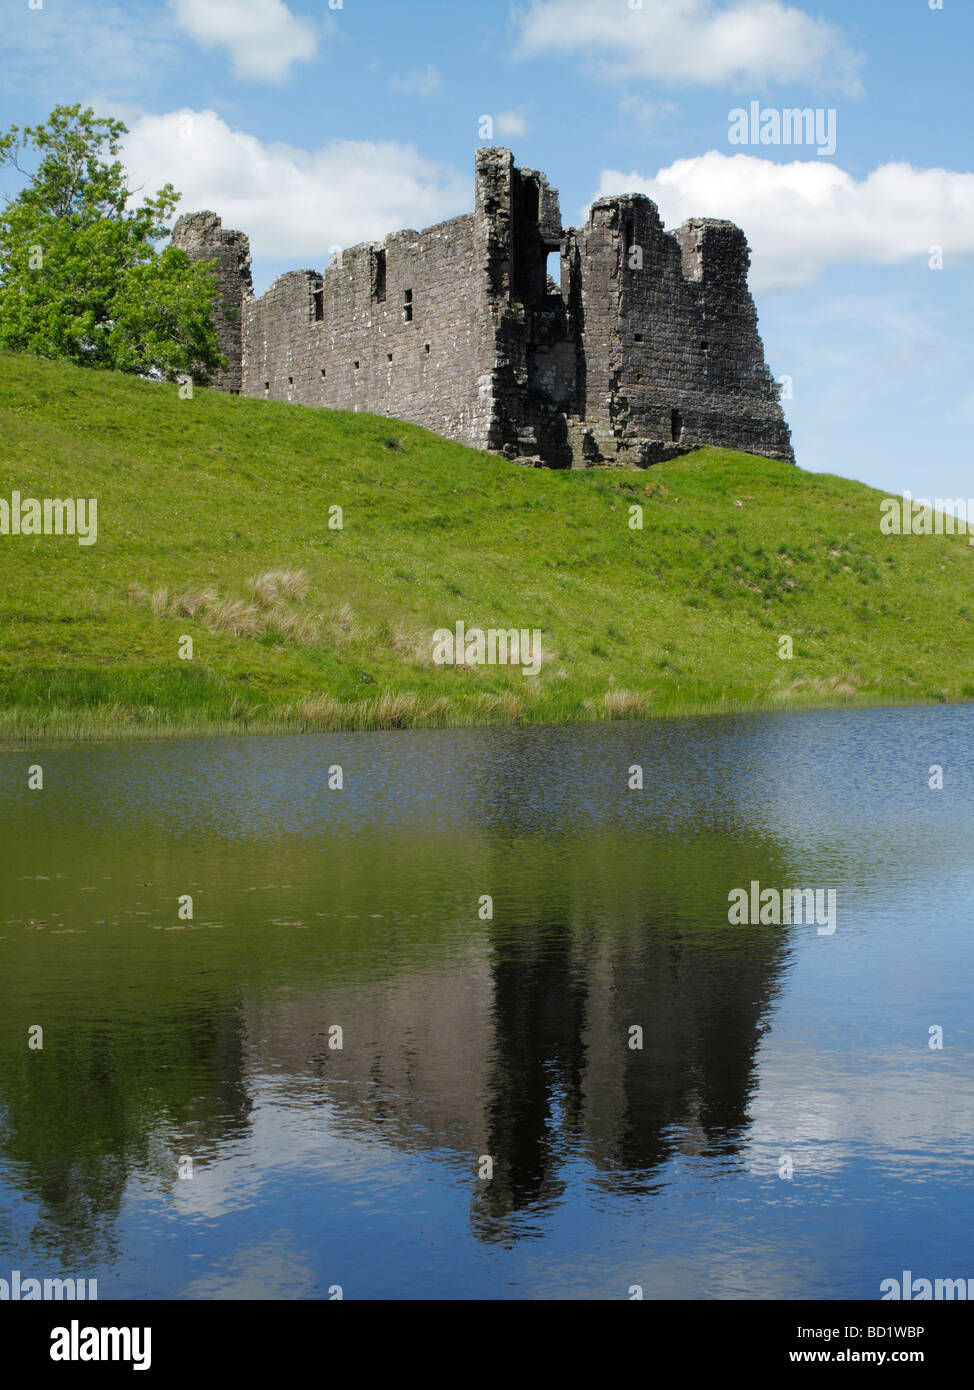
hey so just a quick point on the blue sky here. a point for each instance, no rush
(313, 125)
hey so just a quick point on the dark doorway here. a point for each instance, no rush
(676, 426)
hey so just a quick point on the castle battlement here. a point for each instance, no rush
(643, 346)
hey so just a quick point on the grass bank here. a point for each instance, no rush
(213, 523)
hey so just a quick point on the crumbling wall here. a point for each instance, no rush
(532, 375)
(203, 237)
(395, 328)
(670, 337)
(646, 344)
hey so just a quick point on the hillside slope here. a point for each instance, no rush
(198, 498)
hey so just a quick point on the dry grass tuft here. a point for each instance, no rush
(844, 686)
(620, 704)
(237, 616)
(504, 704)
(389, 711)
(277, 584)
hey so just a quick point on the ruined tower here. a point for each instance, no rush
(202, 237)
(612, 342)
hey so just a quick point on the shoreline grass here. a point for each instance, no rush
(21, 730)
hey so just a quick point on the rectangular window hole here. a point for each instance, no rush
(379, 277)
(319, 305)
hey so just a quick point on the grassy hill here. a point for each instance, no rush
(213, 523)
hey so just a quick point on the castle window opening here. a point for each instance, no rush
(388, 356)
(319, 305)
(356, 366)
(290, 381)
(554, 267)
(379, 277)
(676, 426)
(427, 349)
(407, 308)
(532, 201)
(267, 386)
(627, 238)
(637, 337)
(704, 347)
(324, 371)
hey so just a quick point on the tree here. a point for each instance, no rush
(80, 276)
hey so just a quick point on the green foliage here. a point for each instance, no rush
(80, 277)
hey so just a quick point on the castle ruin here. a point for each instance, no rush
(645, 347)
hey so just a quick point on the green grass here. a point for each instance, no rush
(196, 498)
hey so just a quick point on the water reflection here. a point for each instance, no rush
(510, 1038)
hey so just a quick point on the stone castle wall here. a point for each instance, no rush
(202, 236)
(643, 346)
(394, 329)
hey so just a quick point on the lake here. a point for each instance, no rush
(476, 1023)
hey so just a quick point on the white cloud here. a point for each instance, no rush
(263, 37)
(801, 217)
(107, 47)
(699, 42)
(292, 203)
(418, 82)
(509, 124)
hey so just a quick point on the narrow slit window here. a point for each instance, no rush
(319, 305)
(676, 426)
(379, 277)
(407, 307)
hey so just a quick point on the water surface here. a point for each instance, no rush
(467, 1037)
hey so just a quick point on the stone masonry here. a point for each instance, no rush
(646, 347)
